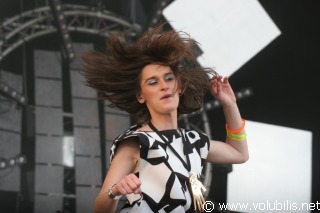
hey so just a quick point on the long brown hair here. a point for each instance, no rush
(116, 72)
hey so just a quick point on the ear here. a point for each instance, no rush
(140, 98)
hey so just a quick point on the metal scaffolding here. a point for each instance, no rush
(39, 22)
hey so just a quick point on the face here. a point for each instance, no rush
(159, 89)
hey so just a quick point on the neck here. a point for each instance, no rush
(164, 123)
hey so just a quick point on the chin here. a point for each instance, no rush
(170, 110)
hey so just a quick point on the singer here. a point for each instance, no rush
(156, 164)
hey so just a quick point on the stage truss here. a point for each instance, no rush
(39, 22)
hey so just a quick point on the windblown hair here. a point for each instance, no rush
(116, 73)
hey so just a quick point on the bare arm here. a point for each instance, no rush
(233, 151)
(120, 173)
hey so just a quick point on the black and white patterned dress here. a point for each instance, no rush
(165, 175)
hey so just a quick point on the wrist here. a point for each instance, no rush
(112, 195)
(229, 105)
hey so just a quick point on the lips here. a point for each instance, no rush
(166, 96)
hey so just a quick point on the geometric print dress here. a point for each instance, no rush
(165, 167)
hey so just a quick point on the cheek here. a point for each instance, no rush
(150, 89)
(147, 93)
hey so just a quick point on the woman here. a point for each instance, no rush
(155, 164)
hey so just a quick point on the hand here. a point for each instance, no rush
(127, 185)
(197, 188)
(222, 91)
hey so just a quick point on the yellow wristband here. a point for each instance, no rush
(237, 136)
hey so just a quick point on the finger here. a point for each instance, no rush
(226, 80)
(121, 189)
(131, 183)
(202, 206)
(135, 179)
(214, 78)
(128, 189)
(219, 78)
(213, 82)
(218, 88)
(137, 191)
(202, 200)
(125, 186)
(213, 85)
(199, 206)
(135, 183)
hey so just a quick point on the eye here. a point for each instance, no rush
(152, 81)
(169, 77)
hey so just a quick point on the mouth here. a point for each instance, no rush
(166, 96)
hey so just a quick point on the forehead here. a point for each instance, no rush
(154, 70)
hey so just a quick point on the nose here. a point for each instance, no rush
(163, 85)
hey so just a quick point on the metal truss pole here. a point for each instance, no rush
(39, 22)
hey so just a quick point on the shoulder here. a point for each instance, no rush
(131, 132)
(130, 137)
(126, 138)
(128, 148)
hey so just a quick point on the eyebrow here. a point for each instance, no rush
(152, 77)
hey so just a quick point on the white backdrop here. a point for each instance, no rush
(278, 173)
(230, 32)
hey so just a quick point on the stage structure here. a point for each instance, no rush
(38, 22)
(75, 158)
(59, 157)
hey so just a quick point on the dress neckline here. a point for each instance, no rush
(185, 141)
(165, 130)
